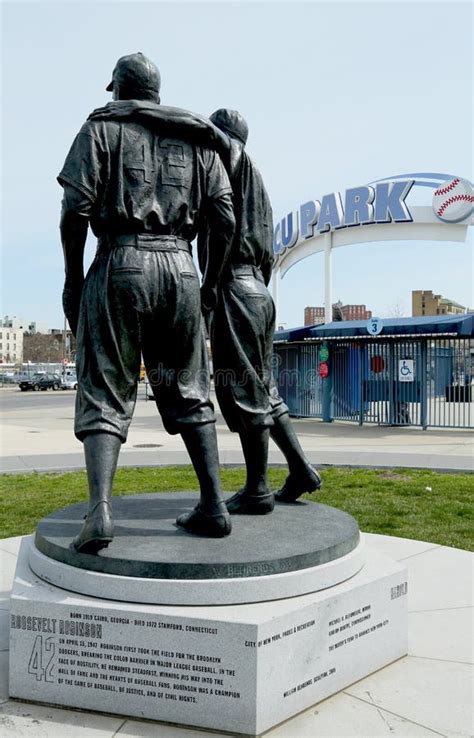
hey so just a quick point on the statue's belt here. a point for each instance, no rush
(145, 242)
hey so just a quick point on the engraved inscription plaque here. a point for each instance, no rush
(211, 667)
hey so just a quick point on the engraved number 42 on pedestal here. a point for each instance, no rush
(41, 659)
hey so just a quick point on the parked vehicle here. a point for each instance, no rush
(69, 383)
(41, 382)
(7, 379)
(20, 377)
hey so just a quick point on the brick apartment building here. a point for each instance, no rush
(315, 315)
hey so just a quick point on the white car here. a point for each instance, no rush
(69, 383)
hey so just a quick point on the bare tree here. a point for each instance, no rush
(41, 347)
(397, 309)
(337, 314)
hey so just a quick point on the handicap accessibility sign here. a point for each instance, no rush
(406, 370)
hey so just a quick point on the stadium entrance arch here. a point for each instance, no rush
(385, 210)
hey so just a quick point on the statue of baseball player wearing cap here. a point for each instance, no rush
(243, 321)
(144, 197)
(242, 335)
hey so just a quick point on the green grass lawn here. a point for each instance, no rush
(424, 505)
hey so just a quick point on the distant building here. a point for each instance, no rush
(38, 326)
(315, 315)
(352, 312)
(11, 345)
(14, 322)
(424, 302)
(18, 324)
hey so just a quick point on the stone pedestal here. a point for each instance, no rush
(241, 668)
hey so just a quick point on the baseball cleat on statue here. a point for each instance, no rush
(201, 524)
(244, 503)
(297, 484)
(97, 531)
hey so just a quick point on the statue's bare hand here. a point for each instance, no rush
(209, 298)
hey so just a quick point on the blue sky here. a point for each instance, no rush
(335, 94)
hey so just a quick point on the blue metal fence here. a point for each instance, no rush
(420, 381)
(450, 383)
(298, 380)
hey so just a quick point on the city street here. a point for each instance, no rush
(36, 432)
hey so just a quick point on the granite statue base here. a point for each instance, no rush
(299, 548)
(236, 668)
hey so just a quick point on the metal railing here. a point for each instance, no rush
(450, 388)
(297, 377)
(424, 382)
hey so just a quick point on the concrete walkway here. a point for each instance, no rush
(36, 435)
(427, 693)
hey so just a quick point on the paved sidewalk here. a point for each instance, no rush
(36, 435)
(427, 693)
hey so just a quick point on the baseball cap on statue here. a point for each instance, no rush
(137, 72)
(232, 123)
